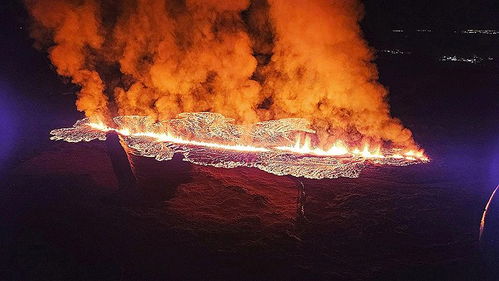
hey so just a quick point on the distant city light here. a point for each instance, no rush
(395, 52)
(474, 59)
(480, 31)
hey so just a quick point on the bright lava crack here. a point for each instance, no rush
(280, 147)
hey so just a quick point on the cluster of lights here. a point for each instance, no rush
(467, 31)
(417, 30)
(474, 59)
(395, 52)
(480, 31)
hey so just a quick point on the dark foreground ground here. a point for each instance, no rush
(62, 218)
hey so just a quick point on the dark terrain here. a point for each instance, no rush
(63, 218)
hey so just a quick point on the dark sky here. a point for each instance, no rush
(432, 14)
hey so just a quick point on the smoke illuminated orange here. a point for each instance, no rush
(251, 61)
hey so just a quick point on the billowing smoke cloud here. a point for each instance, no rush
(249, 60)
(320, 69)
(74, 30)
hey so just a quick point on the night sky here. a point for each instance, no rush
(427, 14)
(452, 109)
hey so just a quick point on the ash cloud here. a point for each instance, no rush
(249, 60)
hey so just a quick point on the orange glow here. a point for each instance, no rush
(201, 56)
(419, 154)
(339, 148)
(484, 214)
(167, 137)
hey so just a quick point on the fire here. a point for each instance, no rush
(313, 74)
(366, 152)
(215, 141)
(169, 138)
(170, 57)
(412, 154)
(339, 148)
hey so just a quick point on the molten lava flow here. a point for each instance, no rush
(168, 138)
(215, 141)
(337, 149)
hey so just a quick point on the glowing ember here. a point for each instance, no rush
(274, 146)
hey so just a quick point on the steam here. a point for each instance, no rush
(249, 60)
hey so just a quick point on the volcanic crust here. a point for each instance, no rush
(218, 144)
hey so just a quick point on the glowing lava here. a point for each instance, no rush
(168, 138)
(282, 147)
(337, 149)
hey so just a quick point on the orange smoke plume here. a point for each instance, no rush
(249, 60)
(74, 30)
(321, 70)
